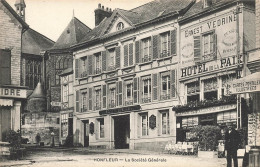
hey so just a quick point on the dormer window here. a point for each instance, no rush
(120, 26)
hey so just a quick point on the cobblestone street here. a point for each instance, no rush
(123, 157)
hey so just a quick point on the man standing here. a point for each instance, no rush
(232, 140)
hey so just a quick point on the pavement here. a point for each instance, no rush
(46, 156)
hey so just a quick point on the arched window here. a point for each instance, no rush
(119, 26)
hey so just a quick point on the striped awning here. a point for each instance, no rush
(6, 102)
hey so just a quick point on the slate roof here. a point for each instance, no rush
(34, 42)
(38, 92)
(137, 16)
(197, 8)
(72, 34)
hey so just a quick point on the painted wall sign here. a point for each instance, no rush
(118, 110)
(12, 92)
(250, 83)
(223, 26)
(208, 110)
(211, 66)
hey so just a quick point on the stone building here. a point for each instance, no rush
(59, 61)
(126, 77)
(21, 63)
(214, 35)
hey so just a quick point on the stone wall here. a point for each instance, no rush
(257, 22)
(42, 123)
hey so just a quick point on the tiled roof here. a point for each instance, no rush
(139, 15)
(72, 34)
(197, 7)
(34, 42)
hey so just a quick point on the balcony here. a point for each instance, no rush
(146, 58)
(146, 100)
(84, 74)
(165, 96)
(111, 68)
(129, 102)
(164, 54)
(97, 71)
(112, 104)
(84, 109)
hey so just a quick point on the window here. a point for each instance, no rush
(165, 44)
(101, 128)
(61, 63)
(190, 121)
(227, 116)
(144, 122)
(210, 89)
(165, 122)
(225, 86)
(207, 3)
(112, 96)
(112, 59)
(146, 50)
(33, 73)
(97, 98)
(147, 91)
(128, 54)
(65, 93)
(64, 125)
(193, 92)
(165, 86)
(129, 93)
(97, 63)
(84, 102)
(119, 26)
(208, 46)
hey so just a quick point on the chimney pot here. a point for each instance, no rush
(99, 5)
(103, 7)
(107, 9)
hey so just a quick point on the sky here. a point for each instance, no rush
(50, 17)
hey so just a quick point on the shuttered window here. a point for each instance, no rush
(5, 67)
(90, 99)
(77, 101)
(173, 43)
(165, 44)
(155, 86)
(119, 91)
(104, 60)
(118, 57)
(90, 62)
(128, 55)
(146, 50)
(104, 95)
(137, 51)
(136, 90)
(173, 83)
(111, 59)
(98, 59)
(76, 68)
(155, 46)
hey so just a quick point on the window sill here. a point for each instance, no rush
(145, 63)
(128, 67)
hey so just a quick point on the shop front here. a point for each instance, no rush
(11, 100)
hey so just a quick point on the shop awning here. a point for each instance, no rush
(247, 84)
(6, 102)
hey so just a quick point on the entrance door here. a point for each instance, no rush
(86, 133)
(70, 129)
(122, 131)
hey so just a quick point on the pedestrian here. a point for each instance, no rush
(232, 140)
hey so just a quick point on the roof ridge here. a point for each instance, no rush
(127, 10)
(142, 5)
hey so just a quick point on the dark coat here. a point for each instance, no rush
(232, 140)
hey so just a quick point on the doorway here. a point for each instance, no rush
(86, 133)
(122, 131)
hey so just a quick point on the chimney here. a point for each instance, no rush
(100, 13)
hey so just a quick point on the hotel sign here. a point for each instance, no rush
(13, 92)
(208, 110)
(119, 110)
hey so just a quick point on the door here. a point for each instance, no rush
(5, 121)
(122, 131)
(86, 133)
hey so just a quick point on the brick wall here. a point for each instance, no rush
(257, 22)
(10, 37)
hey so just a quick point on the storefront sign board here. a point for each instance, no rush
(13, 92)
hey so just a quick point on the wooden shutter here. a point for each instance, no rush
(104, 60)
(215, 45)
(155, 86)
(173, 42)
(197, 48)
(136, 89)
(104, 94)
(119, 90)
(77, 68)
(90, 98)
(126, 55)
(137, 52)
(118, 57)
(5, 67)
(77, 101)
(131, 52)
(90, 67)
(159, 46)
(173, 83)
(155, 46)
